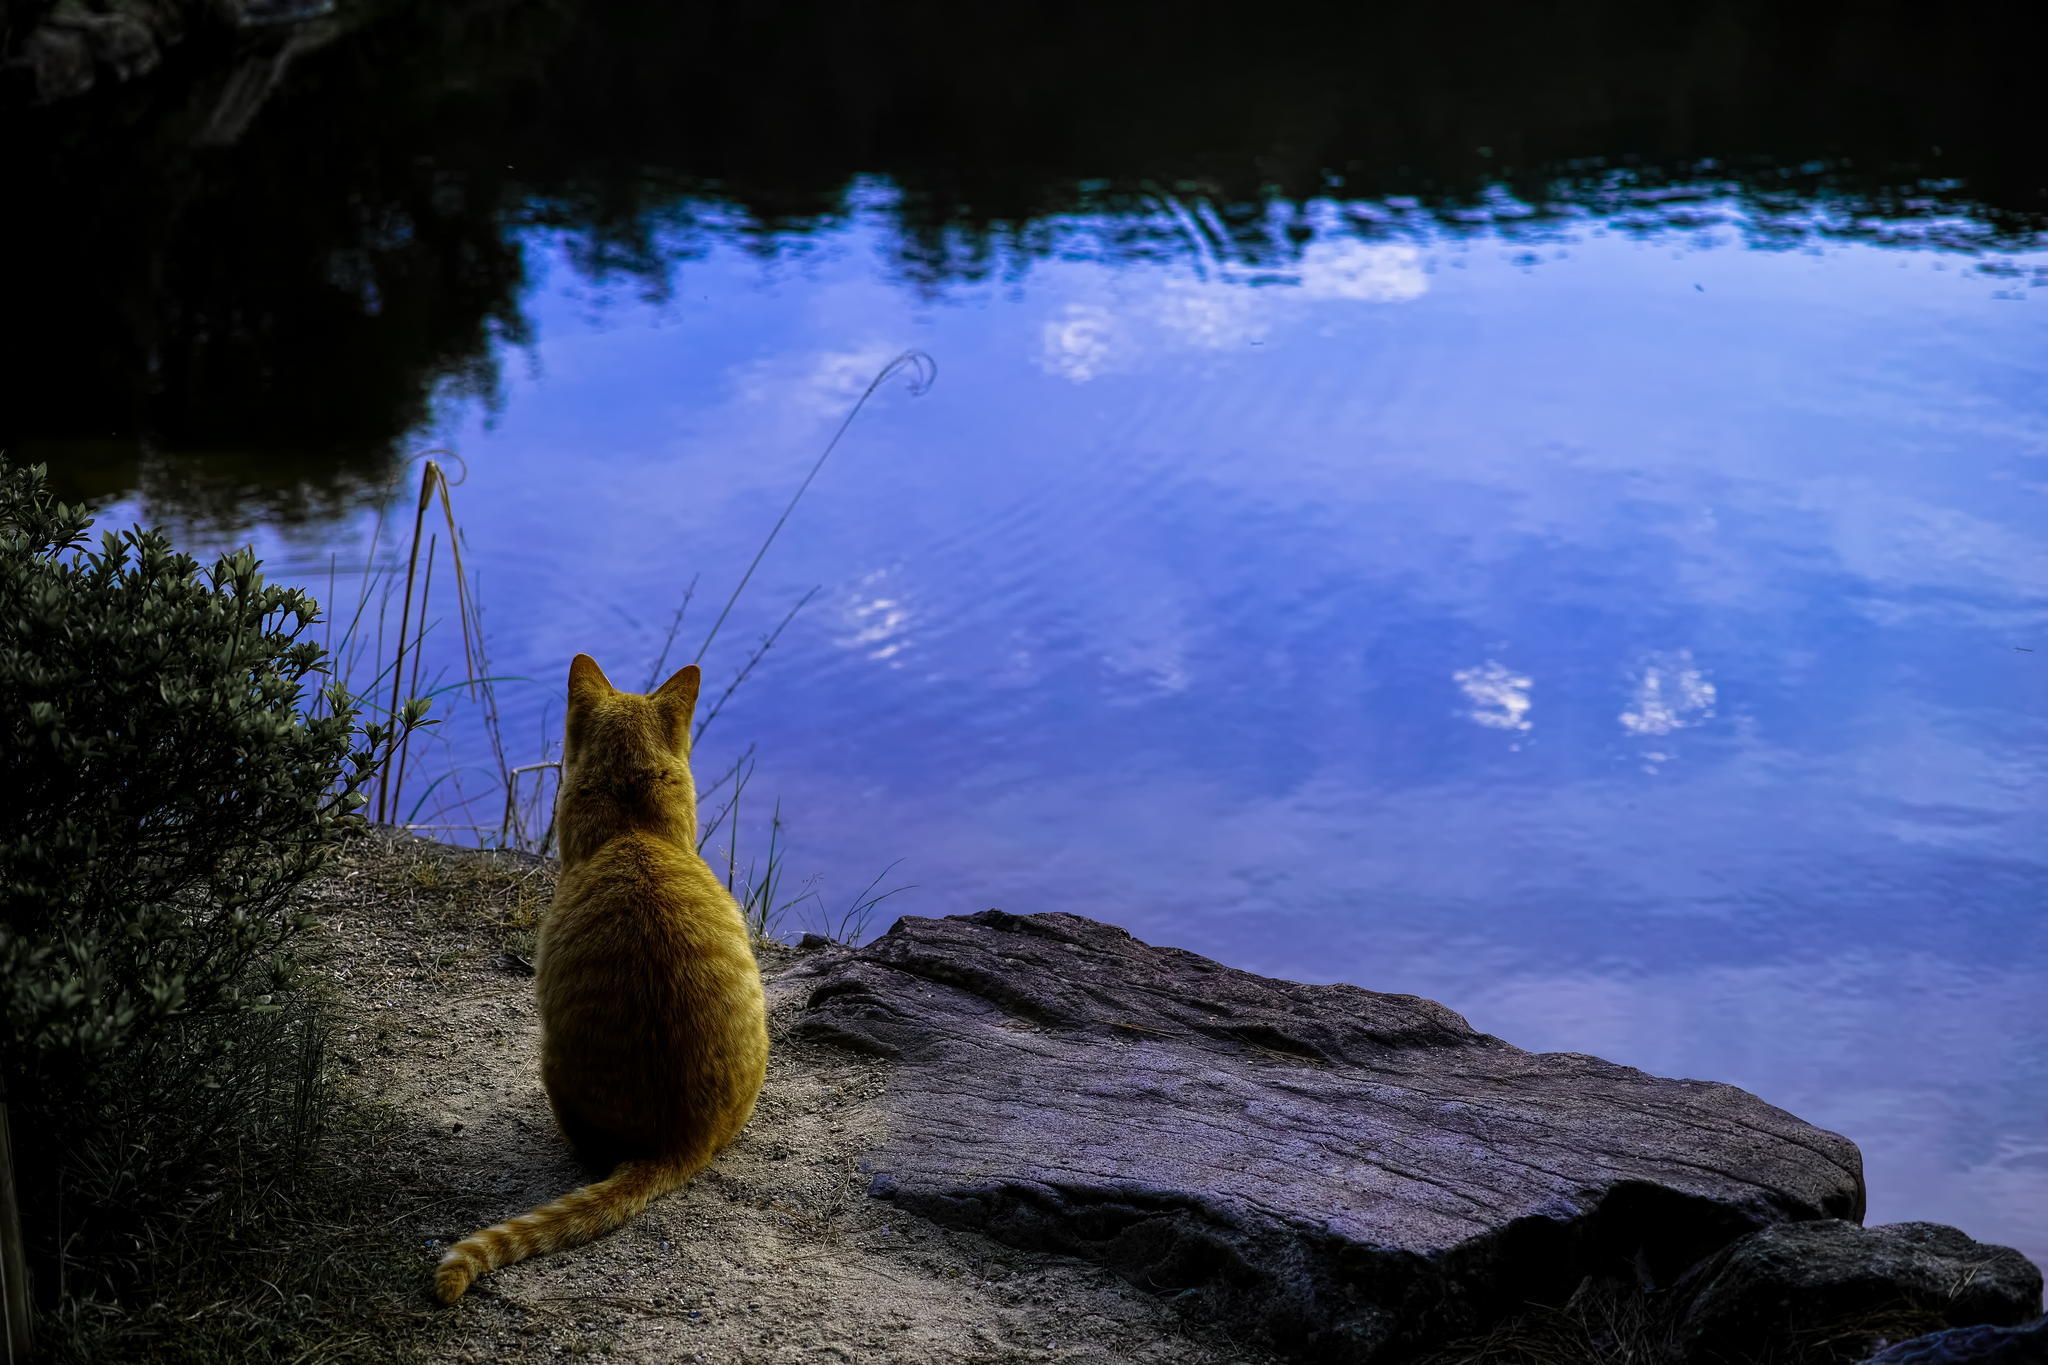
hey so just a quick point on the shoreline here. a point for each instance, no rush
(781, 1251)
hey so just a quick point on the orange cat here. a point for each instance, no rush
(653, 1035)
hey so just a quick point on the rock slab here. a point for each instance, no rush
(1355, 1174)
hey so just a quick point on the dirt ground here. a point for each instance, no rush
(776, 1254)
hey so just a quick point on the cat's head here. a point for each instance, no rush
(626, 756)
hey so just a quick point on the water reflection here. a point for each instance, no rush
(1499, 697)
(359, 256)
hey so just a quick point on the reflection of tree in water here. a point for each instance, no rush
(260, 323)
(308, 291)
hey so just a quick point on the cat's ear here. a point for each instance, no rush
(586, 680)
(678, 696)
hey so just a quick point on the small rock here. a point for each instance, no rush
(1794, 1279)
(1982, 1345)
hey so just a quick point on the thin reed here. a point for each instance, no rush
(521, 793)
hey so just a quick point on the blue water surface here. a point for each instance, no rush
(1631, 635)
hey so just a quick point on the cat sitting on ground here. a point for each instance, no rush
(654, 1038)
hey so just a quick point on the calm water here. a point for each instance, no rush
(1604, 592)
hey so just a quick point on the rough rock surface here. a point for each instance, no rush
(2023, 1345)
(1801, 1279)
(1354, 1173)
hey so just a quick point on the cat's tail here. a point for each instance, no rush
(577, 1217)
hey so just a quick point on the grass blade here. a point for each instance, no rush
(926, 373)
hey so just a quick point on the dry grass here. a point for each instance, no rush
(295, 1250)
(1602, 1323)
(1607, 1322)
(320, 1278)
(489, 900)
(284, 1250)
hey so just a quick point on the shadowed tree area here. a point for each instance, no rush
(262, 318)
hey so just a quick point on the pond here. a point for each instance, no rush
(1551, 515)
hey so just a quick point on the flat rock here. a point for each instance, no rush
(1353, 1173)
(2026, 1344)
(1795, 1281)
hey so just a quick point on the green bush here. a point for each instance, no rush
(177, 765)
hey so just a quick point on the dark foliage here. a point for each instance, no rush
(174, 772)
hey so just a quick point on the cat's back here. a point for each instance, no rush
(646, 932)
(652, 1014)
(649, 892)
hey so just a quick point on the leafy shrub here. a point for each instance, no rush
(175, 769)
